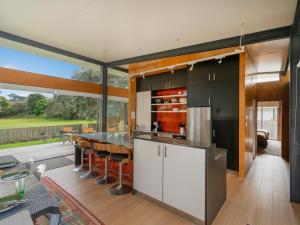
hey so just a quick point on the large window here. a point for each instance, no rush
(267, 119)
(269, 77)
(26, 58)
(117, 78)
(117, 116)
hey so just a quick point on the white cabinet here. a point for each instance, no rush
(143, 110)
(172, 174)
(148, 168)
(184, 179)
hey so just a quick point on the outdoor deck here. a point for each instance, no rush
(40, 152)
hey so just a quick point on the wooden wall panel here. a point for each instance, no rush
(278, 91)
(158, 63)
(17, 77)
(131, 104)
(247, 117)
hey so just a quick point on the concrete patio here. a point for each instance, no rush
(40, 152)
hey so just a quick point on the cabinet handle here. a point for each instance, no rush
(214, 133)
(209, 77)
(214, 76)
(209, 101)
(158, 150)
(165, 152)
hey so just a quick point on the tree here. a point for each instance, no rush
(40, 107)
(32, 101)
(4, 106)
(18, 108)
(88, 75)
(61, 107)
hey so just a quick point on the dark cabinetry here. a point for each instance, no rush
(163, 81)
(216, 84)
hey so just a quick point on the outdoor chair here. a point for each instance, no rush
(67, 134)
(39, 170)
(88, 130)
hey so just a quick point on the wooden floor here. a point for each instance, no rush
(260, 199)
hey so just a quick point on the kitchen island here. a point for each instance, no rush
(187, 177)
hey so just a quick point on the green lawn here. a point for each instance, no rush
(37, 122)
(28, 143)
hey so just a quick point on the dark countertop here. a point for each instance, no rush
(174, 141)
(158, 132)
(120, 138)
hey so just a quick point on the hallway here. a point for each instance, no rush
(262, 198)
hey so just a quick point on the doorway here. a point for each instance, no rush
(269, 132)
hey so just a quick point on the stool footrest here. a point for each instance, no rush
(106, 180)
(120, 189)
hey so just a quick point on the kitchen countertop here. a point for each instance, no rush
(174, 141)
(158, 132)
(120, 138)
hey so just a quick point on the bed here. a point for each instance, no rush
(262, 138)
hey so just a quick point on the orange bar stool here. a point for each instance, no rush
(102, 152)
(121, 155)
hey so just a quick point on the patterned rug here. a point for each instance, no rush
(73, 212)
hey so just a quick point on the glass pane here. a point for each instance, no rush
(267, 119)
(35, 109)
(26, 58)
(117, 78)
(117, 116)
(267, 77)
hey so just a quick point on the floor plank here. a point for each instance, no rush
(262, 198)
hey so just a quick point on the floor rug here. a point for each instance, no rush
(54, 163)
(73, 212)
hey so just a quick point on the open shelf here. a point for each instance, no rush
(177, 103)
(170, 96)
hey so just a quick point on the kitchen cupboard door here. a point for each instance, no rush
(199, 95)
(147, 168)
(201, 73)
(184, 179)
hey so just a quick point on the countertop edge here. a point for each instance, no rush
(173, 141)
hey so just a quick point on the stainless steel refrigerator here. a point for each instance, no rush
(199, 125)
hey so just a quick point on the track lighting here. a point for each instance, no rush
(192, 67)
(191, 64)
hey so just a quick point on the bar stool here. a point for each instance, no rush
(103, 153)
(89, 151)
(84, 148)
(122, 155)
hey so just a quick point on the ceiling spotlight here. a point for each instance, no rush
(143, 75)
(172, 70)
(192, 67)
(220, 61)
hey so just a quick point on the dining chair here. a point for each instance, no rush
(88, 130)
(39, 170)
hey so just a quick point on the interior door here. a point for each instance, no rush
(184, 179)
(147, 170)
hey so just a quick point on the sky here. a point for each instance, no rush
(14, 59)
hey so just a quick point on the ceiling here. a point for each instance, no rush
(269, 56)
(109, 30)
